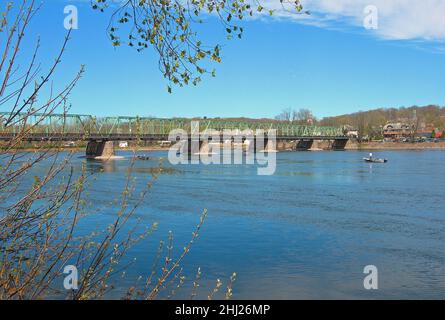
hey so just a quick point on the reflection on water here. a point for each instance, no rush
(305, 232)
(96, 166)
(154, 166)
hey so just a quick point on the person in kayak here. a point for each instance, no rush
(370, 156)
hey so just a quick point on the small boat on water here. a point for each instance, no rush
(143, 157)
(375, 160)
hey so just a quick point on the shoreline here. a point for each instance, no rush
(354, 146)
(82, 149)
(350, 146)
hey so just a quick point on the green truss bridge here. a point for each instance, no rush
(76, 127)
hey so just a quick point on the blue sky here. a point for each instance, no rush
(327, 63)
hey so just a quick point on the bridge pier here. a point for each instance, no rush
(339, 144)
(270, 146)
(204, 147)
(304, 144)
(194, 148)
(104, 149)
(284, 145)
(100, 149)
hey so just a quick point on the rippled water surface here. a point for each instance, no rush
(305, 232)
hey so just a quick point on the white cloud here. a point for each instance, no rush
(398, 19)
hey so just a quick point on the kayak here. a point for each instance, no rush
(375, 160)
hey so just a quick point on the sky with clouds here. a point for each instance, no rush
(398, 19)
(326, 61)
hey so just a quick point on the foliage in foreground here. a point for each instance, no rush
(40, 217)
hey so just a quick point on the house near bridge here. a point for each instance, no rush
(398, 130)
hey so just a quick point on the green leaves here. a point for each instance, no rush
(168, 27)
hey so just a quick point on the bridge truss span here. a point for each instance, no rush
(86, 127)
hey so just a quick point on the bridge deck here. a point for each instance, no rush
(130, 137)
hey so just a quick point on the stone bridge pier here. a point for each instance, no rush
(269, 146)
(339, 144)
(311, 144)
(203, 147)
(100, 149)
(304, 144)
(194, 148)
(104, 149)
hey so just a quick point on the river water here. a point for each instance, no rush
(305, 232)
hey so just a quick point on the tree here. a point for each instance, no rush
(169, 26)
(414, 125)
(285, 115)
(360, 124)
(39, 218)
(303, 116)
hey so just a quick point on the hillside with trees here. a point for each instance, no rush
(425, 119)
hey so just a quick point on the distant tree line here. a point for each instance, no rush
(301, 116)
(370, 123)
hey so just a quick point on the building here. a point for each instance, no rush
(350, 131)
(437, 133)
(397, 130)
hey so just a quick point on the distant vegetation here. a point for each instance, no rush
(425, 119)
(432, 114)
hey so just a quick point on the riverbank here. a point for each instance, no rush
(353, 145)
